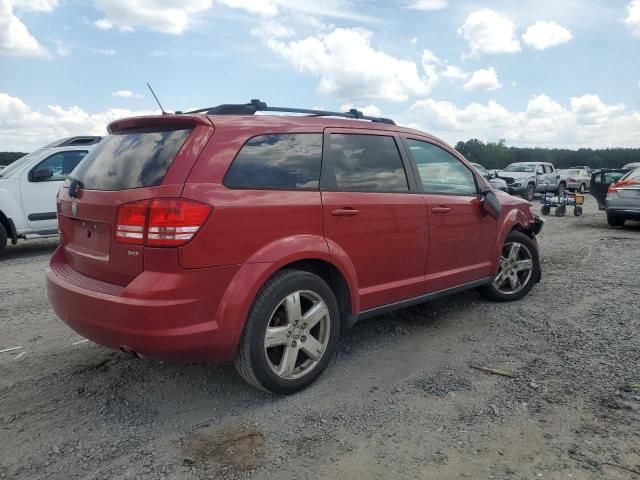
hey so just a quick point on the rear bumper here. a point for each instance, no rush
(631, 214)
(169, 315)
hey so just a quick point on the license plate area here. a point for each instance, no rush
(90, 239)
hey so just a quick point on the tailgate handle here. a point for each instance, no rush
(345, 212)
(440, 210)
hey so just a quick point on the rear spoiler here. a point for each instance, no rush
(178, 121)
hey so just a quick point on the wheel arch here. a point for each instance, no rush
(9, 227)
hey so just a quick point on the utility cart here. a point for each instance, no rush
(561, 202)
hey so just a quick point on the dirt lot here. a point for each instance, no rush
(399, 401)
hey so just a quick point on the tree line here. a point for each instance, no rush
(8, 157)
(494, 155)
(498, 155)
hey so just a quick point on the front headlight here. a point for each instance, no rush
(516, 184)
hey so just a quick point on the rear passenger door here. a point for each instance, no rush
(373, 212)
(551, 176)
(461, 234)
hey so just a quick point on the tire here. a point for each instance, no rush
(615, 221)
(562, 188)
(494, 290)
(530, 194)
(577, 211)
(561, 210)
(3, 238)
(583, 188)
(546, 209)
(256, 362)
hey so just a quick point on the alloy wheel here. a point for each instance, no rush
(515, 269)
(297, 334)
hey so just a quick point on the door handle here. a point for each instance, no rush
(344, 212)
(440, 210)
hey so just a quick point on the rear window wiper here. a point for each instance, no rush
(74, 186)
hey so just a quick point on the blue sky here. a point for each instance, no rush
(544, 73)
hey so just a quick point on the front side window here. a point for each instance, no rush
(61, 164)
(366, 163)
(441, 172)
(284, 160)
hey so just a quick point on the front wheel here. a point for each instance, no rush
(530, 193)
(561, 210)
(518, 269)
(291, 333)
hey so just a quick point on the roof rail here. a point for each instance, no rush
(258, 106)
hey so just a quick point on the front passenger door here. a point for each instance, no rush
(461, 234)
(39, 196)
(373, 213)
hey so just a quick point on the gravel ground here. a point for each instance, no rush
(399, 400)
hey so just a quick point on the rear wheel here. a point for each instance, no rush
(577, 211)
(518, 269)
(3, 238)
(531, 192)
(615, 221)
(291, 333)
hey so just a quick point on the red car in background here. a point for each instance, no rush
(228, 236)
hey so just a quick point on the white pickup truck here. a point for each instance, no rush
(28, 189)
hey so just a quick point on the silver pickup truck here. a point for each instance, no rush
(528, 178)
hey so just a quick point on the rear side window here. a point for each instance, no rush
(366, 163)
(130, 159)
(287, 161)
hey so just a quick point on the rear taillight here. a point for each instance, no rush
(132, 218)
(161, 222)
(614, 187)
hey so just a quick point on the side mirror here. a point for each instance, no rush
(491, 204)
(41, 175)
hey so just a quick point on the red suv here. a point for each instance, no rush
(224, 235)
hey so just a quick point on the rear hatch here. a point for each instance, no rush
(103, 207)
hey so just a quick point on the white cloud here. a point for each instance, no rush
(15, 39)
(35, 5)
(261, 7)
(489, 32)
(589, 109)
(23, 129)
(414, 41)
(454, 72)
(343, 59)
(62, 49)
(127, 15)
(633, 17)
(428, 5)
(127, 94)
(543, 35)
(587, 122)
(369, 110)
(483, 79)
(103, 51)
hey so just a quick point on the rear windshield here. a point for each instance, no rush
(131, 159)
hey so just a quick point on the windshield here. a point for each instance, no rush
(520, 167)
(12, 167)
